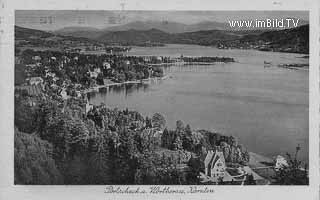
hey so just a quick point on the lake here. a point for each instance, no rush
(265, 108)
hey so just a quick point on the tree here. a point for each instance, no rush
(33, 161)
(194, 165)
(148, 122)
(179, 126)
(158, 121)
(24, 116)
(187, 142)
(177, 144)
(294, 173)
(250, 180)
(165, 139)
(100, 79)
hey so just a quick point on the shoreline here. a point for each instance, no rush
(295, 68)
(189, 63)
(96, 88)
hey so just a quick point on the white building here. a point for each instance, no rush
(281, 162)
(55, 79)
(159, 58)
(106, 65)
(97, 70)
(88, 107)
(36, 58)
(65, 59)
(215, 165)
(93, 74)
(50, 74)
(146, 59)
(64, 94)
(78, 93)
(35, 80)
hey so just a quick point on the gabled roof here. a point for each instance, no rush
(218, 155)
(212, 157)
(208, 158)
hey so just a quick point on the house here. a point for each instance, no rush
(150, 72)
(97, 70)
(146, 59)
(50, 74)
(35, 80)
(54, 86)
(55, 79)
(78, 93)
(37, 58)
(64, 94)
(159, 58)
(106, 65)
(88, 107)
(76, 50)
(281, 162)
(32, 66)
(65, 59)
(93, 74)
(215, 165)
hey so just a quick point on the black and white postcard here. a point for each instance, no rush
(128, 100)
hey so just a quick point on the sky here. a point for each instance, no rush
(57, 19)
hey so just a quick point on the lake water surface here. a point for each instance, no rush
(265, 108)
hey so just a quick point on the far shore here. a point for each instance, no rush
(186, 63)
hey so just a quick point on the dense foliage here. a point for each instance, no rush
(111, 146)
(33, 161)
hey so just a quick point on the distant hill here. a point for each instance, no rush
(133, 37)
(87, 32)
(281, 36)
(165, 26)
(209, 37)
(24, 33)
(169, 26)
(28, 33)
(207, 25)
(296, 39)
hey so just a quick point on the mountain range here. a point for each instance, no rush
(136, 37)
(165, 26)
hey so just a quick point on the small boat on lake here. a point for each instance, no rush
(266, 64)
